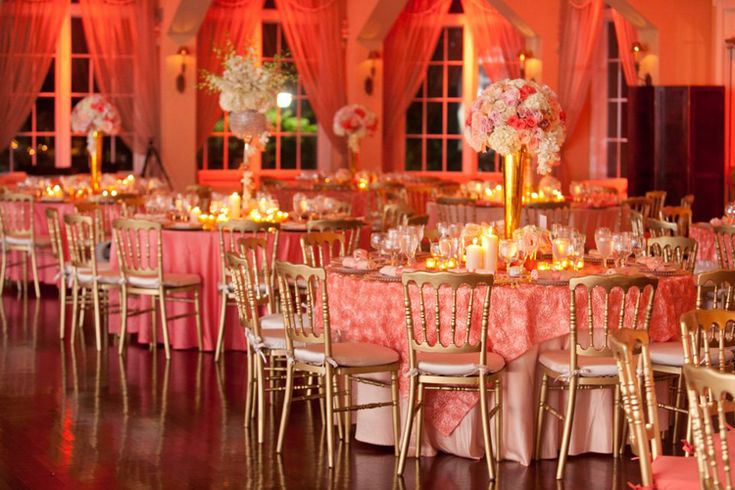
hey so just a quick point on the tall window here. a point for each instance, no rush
(616, 140)
(487, 161)
(434, 118)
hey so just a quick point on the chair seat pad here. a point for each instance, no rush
(274, 338)
(170, 279)
(464, 364)
(272, 321)
(40, 241)
(672, 354)
(675, 473)
(589, 366)
(104, 276)
(348, 354)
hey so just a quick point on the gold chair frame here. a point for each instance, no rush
(349, 228)
(557, 212)
(103, 230)
(631, 205)
(318, 248)
(681, 216)
(460, 210)
(687, 201)
(130, 205)
(725, 245)
(659, 228)
(58, 251)
(394, 214)
(418, 195)
(658, 199)
(677, 249)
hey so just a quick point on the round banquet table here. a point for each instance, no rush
(706, 253)
(525, 320)
(359, 200)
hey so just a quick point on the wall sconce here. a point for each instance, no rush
(180, 78)
(283, 99)
(373, 56)
(523, 56)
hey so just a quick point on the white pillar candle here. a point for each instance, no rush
(490, 247)
(234, 204)
(194, 214)
(475, 257)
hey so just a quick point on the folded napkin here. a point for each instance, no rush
(353, 263)
(654, 263)
(715, 222)
(394, 270)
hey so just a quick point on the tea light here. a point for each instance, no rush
(194, 214)
(431, 263)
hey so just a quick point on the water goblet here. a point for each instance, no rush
(375, 241)
(508, 252)
(603, 242)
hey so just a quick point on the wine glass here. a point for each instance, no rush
(508, 252)
(376, 239)
(603, 242)
(637, 245)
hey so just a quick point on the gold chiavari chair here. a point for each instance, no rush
(631, 209)
(229, 234)
(681, 216)
(130, 205)
(460, 210)
(725, 245)
(417, 220)
(252, 292)
(588, 364)
(19, 235)
(715, 289)
(308, 323)
(631, 349)
(418, 195)
(636, 223)
(710, 395)
(320, 247)
(658, 198)
(203, 194)
(658, 228)
(394, 214)
(442, 356)
(139, 248)
(708, 337)
(58, 252)
(349, 228)
(97, 211)
(687, 201)
(555, 212)
(87, 276)
(679, 250)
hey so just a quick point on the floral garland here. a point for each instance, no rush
(512, 113)
(95, 113)
(354, 121)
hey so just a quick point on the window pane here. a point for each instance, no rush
(454, 155)
(454, 76)
(413, 154)
(434, 79)
(439, 50)
(78, 41)
(612, 41)
(434, 154)
(612, 159)
(215, 152)
(288, 152)
(79, 153)
(612, 119)
(623, 160)
(22, 156)
(80, 75)
(486, 161)
(613, 67)
(270, 40)
(623, 120)
(45, 114)
(434, 117)
(308, 152)
(454, 43)
(27, 126)
(116, 155)
(414, 115)
(235, 149)
(454, 118)
(48, 82)
(308, 118)
(268, 159)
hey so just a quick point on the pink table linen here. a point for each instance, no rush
(705, 237)
(360, 200)
(524, 321)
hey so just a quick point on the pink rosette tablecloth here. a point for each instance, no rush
(705, 237)
(524, 321)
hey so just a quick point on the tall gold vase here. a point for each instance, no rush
(354, 161)
(513, 170)
(95, 163)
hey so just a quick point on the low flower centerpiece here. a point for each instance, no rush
(518, 119)
(95, 116)
(248, 88)
(354, 121)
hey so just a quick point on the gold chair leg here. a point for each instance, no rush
(24, 275)
(499, 419)
(62, 306)
(3, 269)
(221, 326)
(486, 428)
(288, 395)
(250, 386)
(396, 409)
(677, 403)
(82, 307)
(567, 434)
(336, 403)
(164, 324)
(540, 416)
(154, 324)
(123, 320)
(97, 317)
(347, 419)
(198, 320)
(74, 310)
(329, 383)
(419, 418)
(260, 383)
(34, 270)
(616, 421)
(407, 426)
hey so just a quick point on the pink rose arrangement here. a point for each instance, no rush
(354, 121)
(95, 113)
(510, 114)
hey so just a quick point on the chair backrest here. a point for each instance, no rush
(681, 216)
(394, 214)
(437, 294)
(687, 201)
(304, 304)
(555, 212)
(638, 204)
(139, 247)
(725, 245)
(318, 248)
(677, 249)
(636, 291)
(80, 237)
(460, 210)
(636, 223)
(658, 227)
(130, 205)
(348, 228)
(97, 212)
(721, 283)
(57, 241)
(710, 394)
(418, 195)
(642, 416)
(249, 296)
(658, 198)
(707, 336)
(231, 231)
(18, 212)
(417, 220)
(204, 196)
(261, 277)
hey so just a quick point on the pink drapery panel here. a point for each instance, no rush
(122, 43)
(627, 36)
(497, 41)
(313, 29)
(407, 51)
(233, 20)
(28, 34)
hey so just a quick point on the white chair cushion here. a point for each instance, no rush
(558, 361)
(104, 276)
(274, 339)
(272, 321)
(466, 364)
(40, 242)
(672, 354)
(348, 354)
(172, 279)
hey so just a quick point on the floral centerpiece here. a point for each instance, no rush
(518, 119)
(95, 116)
(247, 88)
(354, 121)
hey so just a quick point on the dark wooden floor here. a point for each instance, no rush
(74, 418)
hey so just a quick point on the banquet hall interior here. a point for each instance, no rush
(367, 244)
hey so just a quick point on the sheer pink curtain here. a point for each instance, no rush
(627, 36)
(313, 30)
(122, 43)
(407, 51)
(234, 20)
(28, 34)
(497, 41)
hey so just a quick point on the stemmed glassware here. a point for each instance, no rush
(603, 242)
(637, 245)
(508, 252)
